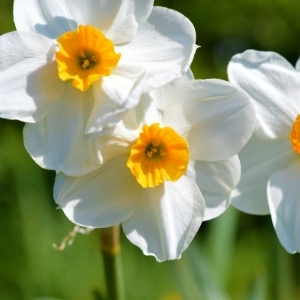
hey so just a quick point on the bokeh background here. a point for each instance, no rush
(236, 256)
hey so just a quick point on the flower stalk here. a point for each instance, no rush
(110, 248)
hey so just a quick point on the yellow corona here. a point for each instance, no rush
(85, 56)
(159, 154)
(295, 135)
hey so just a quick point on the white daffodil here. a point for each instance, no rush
(168, 165)
(75, 66)
(271, 160)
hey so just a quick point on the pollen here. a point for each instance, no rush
(295, 135)
(85, 55)
(159, 154)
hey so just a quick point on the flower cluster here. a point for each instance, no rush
(110, 103)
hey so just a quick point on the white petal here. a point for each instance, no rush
(166, 219)
(260, 158)
(216, 180)
(58, 141)
(117, 19)
(117, 140)
(160, 95)
(213, 116)
(99, 199)
(147, 112)
(29, 82)
(152, 105)
(114, 97)
(120, 19)
(164, 47)
(273, 85)
(298, 65)
(283, 198)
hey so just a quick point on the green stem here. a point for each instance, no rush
(282, 272)
(221, 244)
(110, 248)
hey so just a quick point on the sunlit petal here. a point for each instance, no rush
(216, 181)
(59, 142)
(164, 46)
(29, 83)
(213, 116)
(283, 198)
(260, 158)
(166, 219)
(102, 198)
(273, 86)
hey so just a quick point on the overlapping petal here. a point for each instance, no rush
(283, 198)
(117, 19)
(273, 85)
(29, 83)
(152, 105)
(216, 181)
(164, 46)
(58, 141)
(102, 198)
(166, 219)
(159, 96)
(114, 97)
(118, 140)
(213, 116)
(260, 158)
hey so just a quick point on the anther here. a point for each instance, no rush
(81, 54)
(162, 152)
(95, 58)
(155, 143)
(149, 153)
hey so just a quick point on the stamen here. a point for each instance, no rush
(155, 143)
(81, 54)
(162, 152)
(149, 153)
(95, 58)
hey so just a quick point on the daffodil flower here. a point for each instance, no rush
(74, 67)
(271, 160)
(168, 165)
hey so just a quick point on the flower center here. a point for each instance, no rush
(85, 56)
(87, 59)
(159, 154)
(295, 135)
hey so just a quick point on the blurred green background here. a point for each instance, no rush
(236, 256)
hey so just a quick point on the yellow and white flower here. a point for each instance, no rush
(271, 160)
(73, 67)
(168, 165)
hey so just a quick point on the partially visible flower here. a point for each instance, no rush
(271, 160)
(168, 165)
(73, 67)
